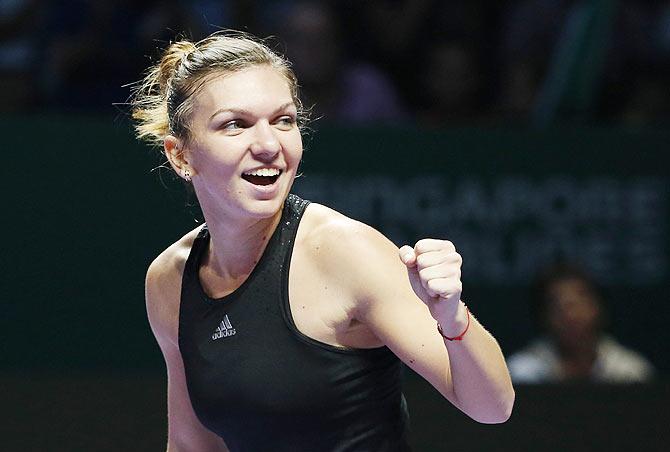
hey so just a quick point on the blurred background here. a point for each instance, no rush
(529, 133)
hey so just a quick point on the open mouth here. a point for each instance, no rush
(264, 176)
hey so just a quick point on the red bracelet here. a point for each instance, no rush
(460, 336)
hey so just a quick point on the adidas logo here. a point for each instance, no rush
(224, 330)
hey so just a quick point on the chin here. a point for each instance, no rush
(264, 208)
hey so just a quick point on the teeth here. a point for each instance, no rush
(263, 172)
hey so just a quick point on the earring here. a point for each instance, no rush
(187, 175)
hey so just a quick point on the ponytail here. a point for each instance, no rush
(150, 98)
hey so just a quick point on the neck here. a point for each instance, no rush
(236, 245)
(578, 366)
(582, 350)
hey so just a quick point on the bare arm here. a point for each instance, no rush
(395, 305)
(185, 432)
(480, 382)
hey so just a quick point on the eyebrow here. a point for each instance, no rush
(241, 111)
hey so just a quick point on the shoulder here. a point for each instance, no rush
(172, 259)
(322, 219)
(534, 364)
(163, 286)
(620, 363)
(326, 226)
(337, 242)
(351, 255)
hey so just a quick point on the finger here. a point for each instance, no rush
(425, 245)
(445, 270)
(433, 258)
(407, 256)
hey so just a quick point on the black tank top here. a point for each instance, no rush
(262, 385)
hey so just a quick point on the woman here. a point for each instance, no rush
(281, 322)
(568, 306)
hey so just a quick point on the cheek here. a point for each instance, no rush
(294, 147)
(216, 157)
(297, 156)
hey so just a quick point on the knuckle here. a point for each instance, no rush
(422, 260)
(422, 246)
(453, 259)
(435, 285)
(452, 287)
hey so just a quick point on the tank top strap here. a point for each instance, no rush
(194, 256)
(296, 206)
(280, 246)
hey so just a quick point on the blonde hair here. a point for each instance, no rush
(163, 101)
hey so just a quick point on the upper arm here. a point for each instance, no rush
(379, 284)
(185, 432)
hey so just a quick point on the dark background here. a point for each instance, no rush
(561, 97)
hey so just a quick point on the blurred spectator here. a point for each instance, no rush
(580, 60)
(19, 20)
(642, 96)
(89, 61)
(341, 90)
(430, 62)
(568, 306)
(636, 90)
(529, 33)
(422, 44)
(450, 85)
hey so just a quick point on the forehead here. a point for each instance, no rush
(253, 88)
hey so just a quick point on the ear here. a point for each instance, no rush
(177, 155)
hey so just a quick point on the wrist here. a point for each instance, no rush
(455, 327)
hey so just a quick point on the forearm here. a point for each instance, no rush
(480, 382)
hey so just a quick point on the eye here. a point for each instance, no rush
(285, 122)
(235, 124)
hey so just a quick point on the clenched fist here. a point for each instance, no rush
(434, 269)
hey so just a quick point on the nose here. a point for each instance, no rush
(265, 144)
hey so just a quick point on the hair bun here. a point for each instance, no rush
(173, 57)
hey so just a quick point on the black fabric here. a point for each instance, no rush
(261, 385)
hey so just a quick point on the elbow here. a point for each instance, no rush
(501, 416)
(499, 413)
